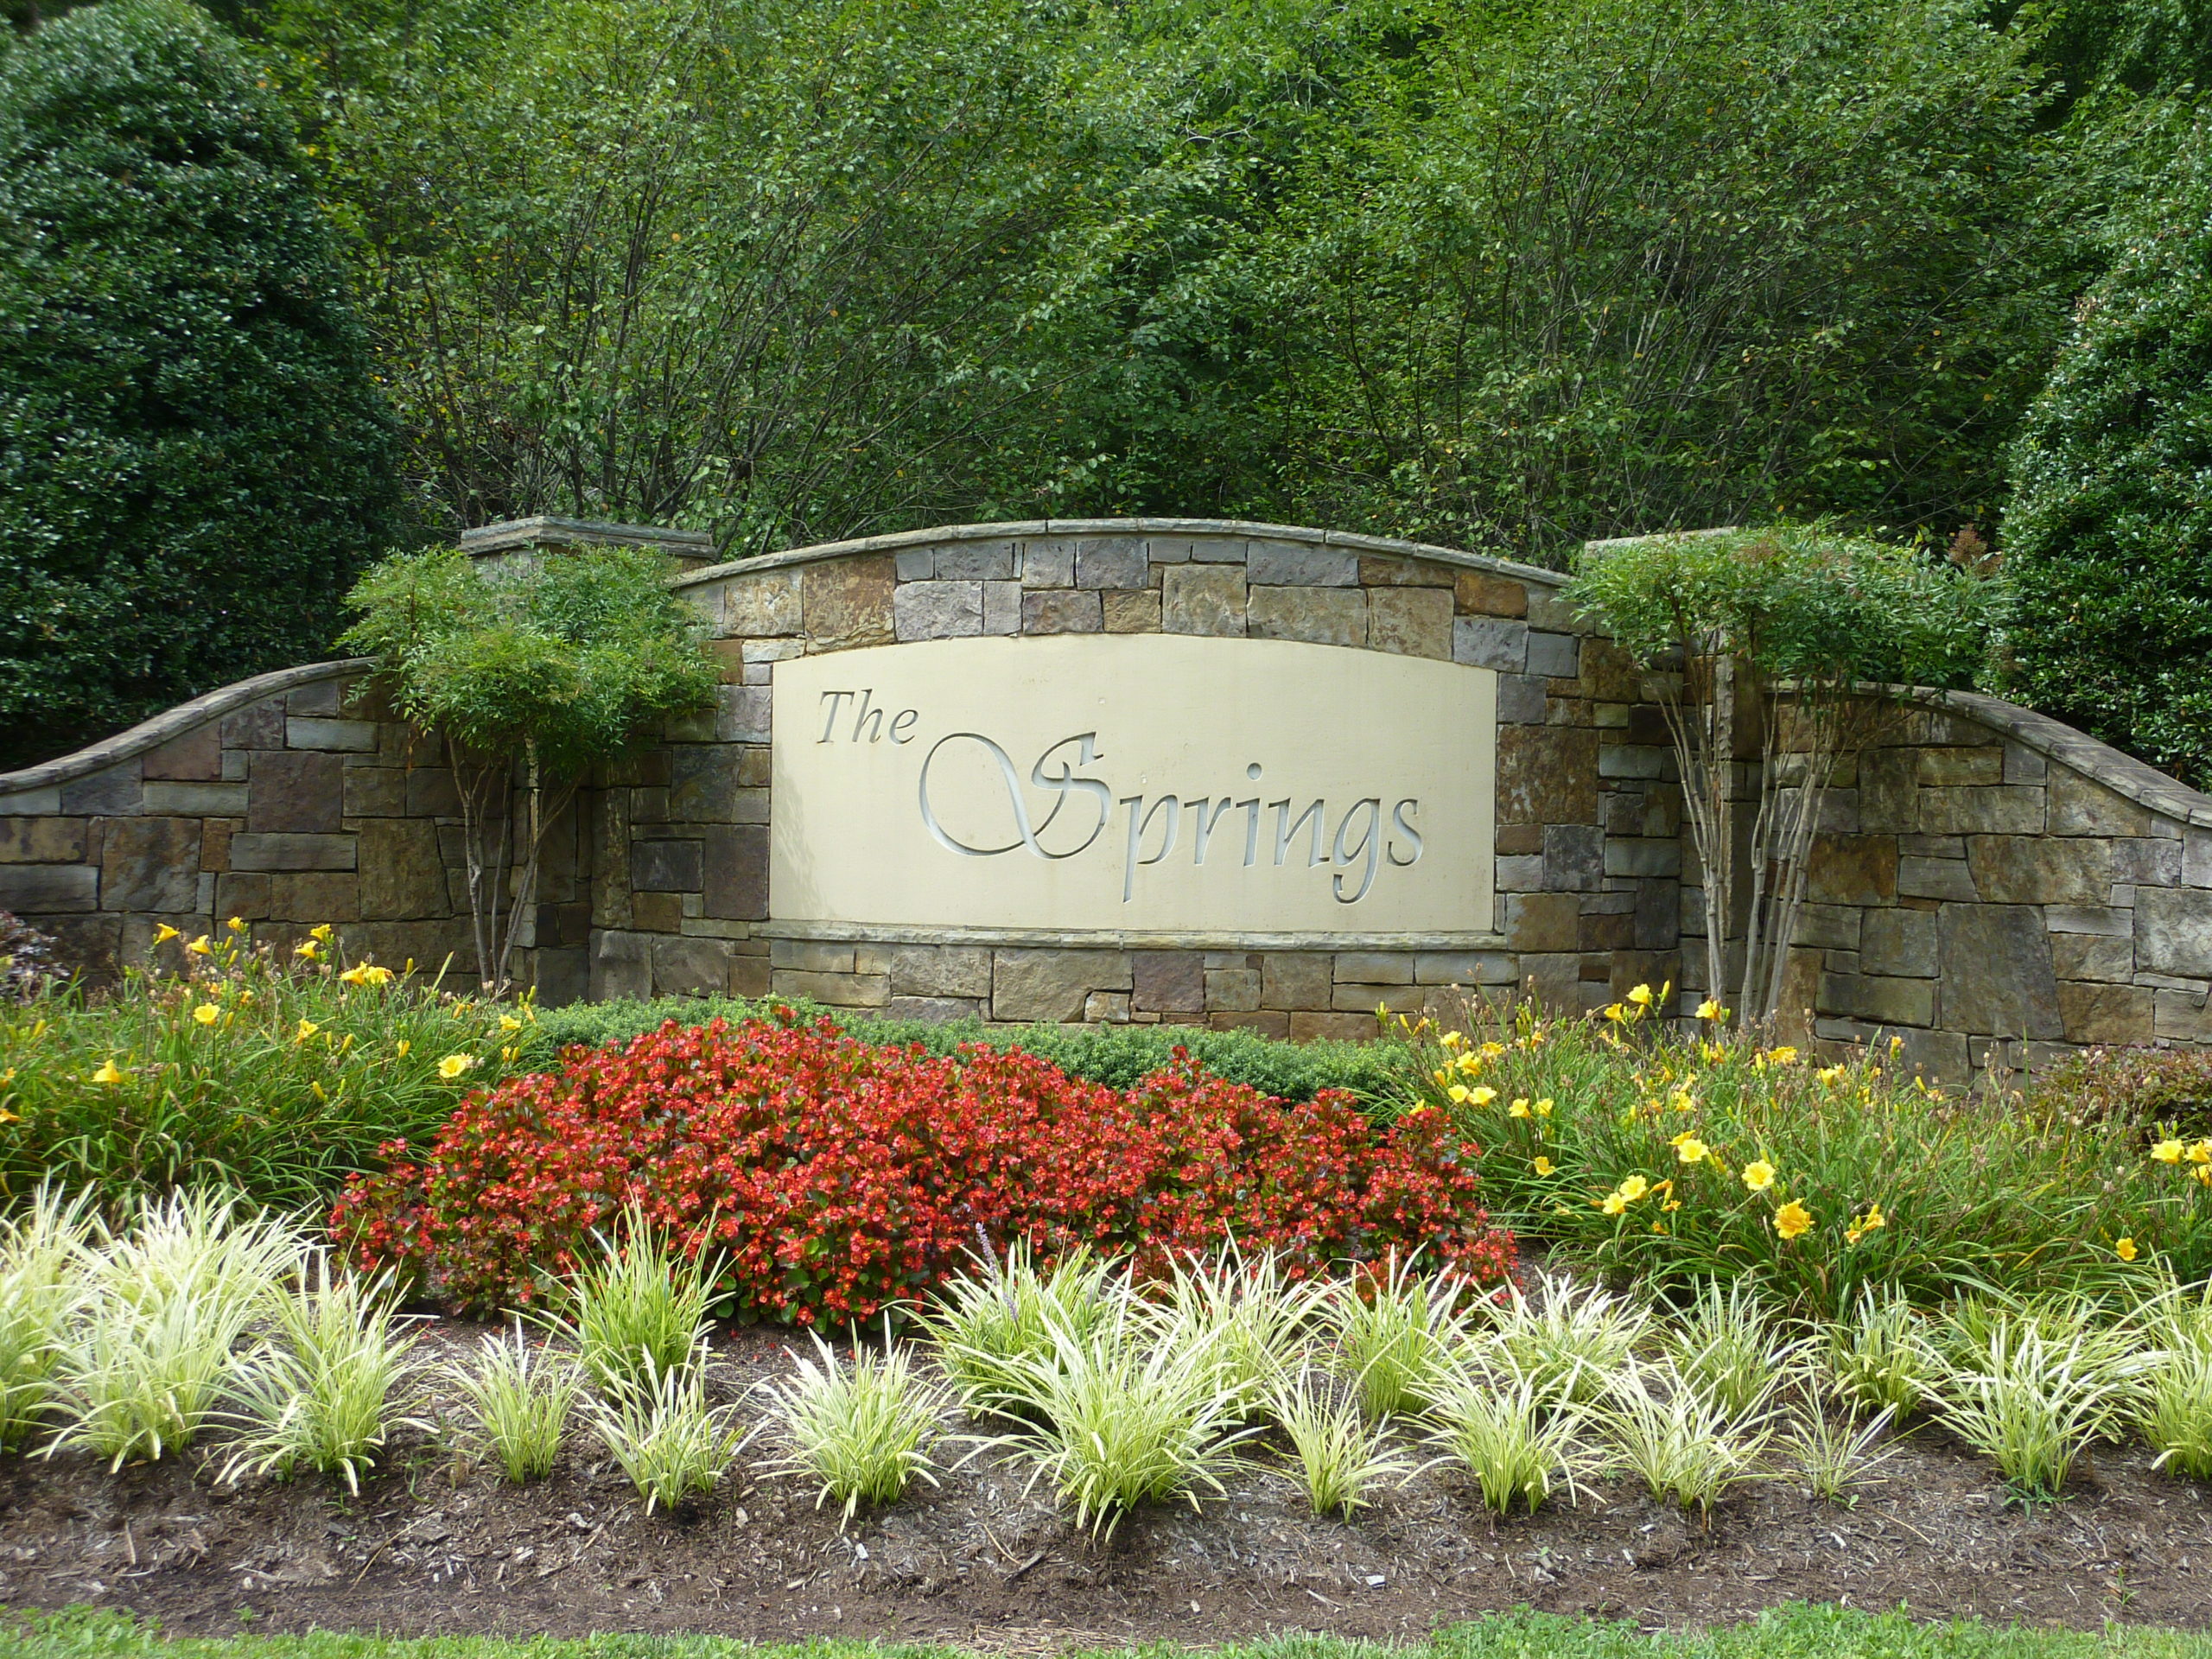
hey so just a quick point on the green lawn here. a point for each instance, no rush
(1788, 1633)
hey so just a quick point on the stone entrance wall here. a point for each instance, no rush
(1990, 884)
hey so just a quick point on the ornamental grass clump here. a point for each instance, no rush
(324, 1396)
(1509, 1433)
(1118, 1418)
(1725, 1346)
(672, 1443)
(1834, 1457)
(273, 1069)
(1877, 1358)
(1567, 1340)
(1397, 1333)
(2175, 1416)
(637, 1311)
(1248, 1313)
(517, 1398)
(2032, 1387)
(990, 1325)
(861, 1430)
(1685, 1447)
(1339, 1452)
(40, 1290)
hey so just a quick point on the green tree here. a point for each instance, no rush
(195, 461)
(2109, 538)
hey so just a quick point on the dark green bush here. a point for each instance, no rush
(195, 461)
(2109, 539)
(2141, 1090)
(1115, 1055)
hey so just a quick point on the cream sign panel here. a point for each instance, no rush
(1156, 782)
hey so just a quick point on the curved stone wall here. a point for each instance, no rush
(1990, 884)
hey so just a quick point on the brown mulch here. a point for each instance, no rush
(432, 1546)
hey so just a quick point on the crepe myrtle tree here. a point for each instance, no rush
(1791, 644)
(528, 674)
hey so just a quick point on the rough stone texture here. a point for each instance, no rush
(301, 792)
(1997, 972)
(938, 610)
(848, 602)
(1203, 599)
(403, 875)
(2039, 869)
(1062, 610)
(1168, 982)
(2173, 931)
(1321, 616)
(1052, 985)
(735, 871)
(1410, 621)
(1135, 612)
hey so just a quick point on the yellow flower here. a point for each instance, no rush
(199, 947)
(110, 1072)
(1471, 1062)
(2125, 1249)
(1544, 1107)
(1545, 1167)
(354, 976)
(1616, 1012)
(400, 1051)
(1785, 1056)
(1458, 1094)
(207, 1014)
(1682, 1100)
(1792, 1220)
(307, 1028)
(1481, 1094)
(1690, 1149)
(1613, 1204)
(1641, 997)
(2201, 1152)
(454, 1064)
(1710, 1010)
(1759, 1175)
(1634, 1188)
(307, 948)
(508, 1022)
(1491, 1050)
(1452, 1039)
(1830, 1075)
(163, 933)
(509, 1055)
(317, 1089)
(374, 974)
(2203, 1172)
(1518, 1108)
(1672, 1204)
(1862, 1225)
(236, 923)
(320, 931)
(2167, 1151)
(1440, 1077)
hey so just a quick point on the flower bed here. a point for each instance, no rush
(840, 1177)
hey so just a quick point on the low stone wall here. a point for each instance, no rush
(1990, 884)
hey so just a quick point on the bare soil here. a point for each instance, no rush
(431, 1545)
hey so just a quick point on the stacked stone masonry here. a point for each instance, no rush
(1990, 884)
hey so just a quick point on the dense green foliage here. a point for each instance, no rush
(1117, 1056)
(193, 459)
(2111, 532)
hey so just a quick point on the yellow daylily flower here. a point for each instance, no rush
(1491, 1050)
(163, 933)
(1471, 1062)
(1545, 1167)
(1690, 1150)
(2125, 1249)
(1616, 1012)
(508, 1022)
(236, 923)
(1641, 997)
(354, 976)
(110, 1072)
(1782, 1055)
(1612, 1204)
(1759, 1175)
(454, 1064)
(1452, 1039)
(2168, 1152)
(307, 947)
(2201, 1152)
(1710, 1010)
(306, 1029)
(199, 947)
(1793, 1219)
(399, 1051)
(321, 931)
(1440, 1077)
(1481, 1094)
(1544, 1107)
(1634, 1188)
(1518, 1108)
(1830, 1075)
(207, 1014)
(1458, 1094)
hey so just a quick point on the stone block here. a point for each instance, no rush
(815, 956)
(1547, 774)
(1106, 1008)
(1884, 1001)
(1314, 1028)
(1606, 930)
(938, 610)
(257, 726)
(1634, 856)
(431, 794)
(1234, 989)
(1373, 967)
(2182, 1016)
(1168, 982)
(320, 698)
(1478, 593)
(657, 912)
(704, 785)
(1048, 564)
(974, 562)
(1301, 564)
(1521, 700)
(1132, 611)
(337, 736)
(1992, 809)
(1295, 979)
(2107, 1014)
(2092, 956)
(1410, 621)
(2173, 931)
(1385, 571)
(1935, 878)
(1898, 943)
(941, 971)
(734, 871)
(1052, 985)
(1951, 768)
(1520, 872)
(1575, 857)
(837, 990)
(1320, 616)
(1063, 610)
(1465, 968)
(934, 1010)
(1997, 972)
(2040, 869)
(1541, 921)
(741, 713)
(1889, 791)
(1351, 997)
(1205, 599)
(114, 792)
(667, 865)
(374, 793)
(1834, 927)
(1276, 1026)
(2196, 858)
(195, 756)
(2079, 806)
(1112, 562)
(1555, 656)
(848, 601)
(1487, 642)
(42, 840)
(2146, 862)
(1853, 870)
(296, 791)
(1634, 761)
(286, 850)
(1658, 915)
(48, 889)
(403, 874)
(315, 897)
(916, 563)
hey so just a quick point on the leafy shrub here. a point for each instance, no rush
(1121, 1057)
(194, 454)
(841, 1176)
(2109, 519)
(1672, 1160)
(2104, 1087)
(227, 1065)
(30, 959)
